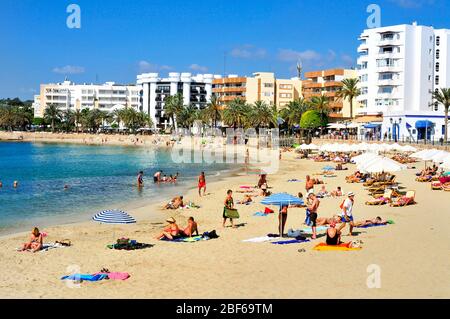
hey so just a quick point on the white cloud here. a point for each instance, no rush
(412, 4)
(145, 66)
(289, 55)
(69, 69)
(248, 51)
(200, 68)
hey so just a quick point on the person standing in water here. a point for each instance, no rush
(140, 179)
(202, 184)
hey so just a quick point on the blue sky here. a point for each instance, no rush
(119, 39)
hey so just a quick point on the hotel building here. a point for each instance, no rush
(399, 67)
(67, 95)
(196, 90)
(263, 86)
(328, 83)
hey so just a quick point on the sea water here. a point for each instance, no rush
(98, 178)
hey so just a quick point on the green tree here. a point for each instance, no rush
(236, 113)
(68, 120)
(213, 111)
(349, 91)
(442, 96)
(293, 111)
(321, 104)
(173, 105)
(77, 116)
(263, 114)
(188, 115)
(310, 121)
(52, 114)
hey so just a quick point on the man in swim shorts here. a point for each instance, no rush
(312, 207)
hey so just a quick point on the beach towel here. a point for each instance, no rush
(341, 247)
(45, 247)
(85, 277)
(318, 229)
(186, 239)
(115, 275)
(389, 222)
(131, 245)
(258, 239)
(260, 214)
(292, 241)
(294, 180)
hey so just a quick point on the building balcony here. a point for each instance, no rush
(333, 84)
(388, 42)
(390, 68)
(308, 85)
(335, 115)
(388, 82)
(389, 55)
(229, 90)
(363, 47)
(231, 98)
(336, 105)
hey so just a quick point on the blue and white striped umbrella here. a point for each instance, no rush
(282, 199)
(113, 216)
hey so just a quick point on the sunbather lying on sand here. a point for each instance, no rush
(175, 203)
(36, 241)
(322, 221)
(376, 221)
(247, 199)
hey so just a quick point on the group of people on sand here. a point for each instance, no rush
(173, 231)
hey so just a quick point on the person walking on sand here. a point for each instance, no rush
(282, 218)
(312, 208)
(347, 212)
(229, 204)
(202, 184)
(140, 179)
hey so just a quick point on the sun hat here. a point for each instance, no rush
(170, 220)
(350, 194)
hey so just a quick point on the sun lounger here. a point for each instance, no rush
(405, 200)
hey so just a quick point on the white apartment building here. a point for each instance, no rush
(399, 67)
(196, 90)
(68, 95)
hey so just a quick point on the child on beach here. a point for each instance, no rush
(229, 204)
(201, 184)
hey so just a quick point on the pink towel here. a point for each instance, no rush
(115, 275)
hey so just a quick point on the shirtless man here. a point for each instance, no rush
(191, 228)
(309, 183)
(157, 177)
(140, 179)
(175, 203)
(312, 207)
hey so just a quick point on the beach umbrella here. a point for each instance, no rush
(282, 199)
(440, 156)
(395, 147)
(427, 156)
(364, 157)
(313, 147)
(382, 164)
(113, 216)
(408, 148)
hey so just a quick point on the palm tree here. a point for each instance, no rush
(236, 113)
(213, 110)
(52, 113)
(77, 118)
(263, 114)
(321, 104)
(172, 106)
(442, 96)
(349, 91)
(68, 118)
(187, 116)
(293, 111)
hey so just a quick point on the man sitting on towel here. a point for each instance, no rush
(190, 229)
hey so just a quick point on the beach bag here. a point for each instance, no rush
(231, 213)
(293, 233)
(268, 211)
(342, 204)
(308, 221)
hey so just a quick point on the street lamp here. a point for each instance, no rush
(396, 126)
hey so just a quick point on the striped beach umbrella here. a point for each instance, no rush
(113, 216)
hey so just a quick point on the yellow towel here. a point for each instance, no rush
(342, 247)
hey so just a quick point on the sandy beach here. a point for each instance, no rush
(413, 254)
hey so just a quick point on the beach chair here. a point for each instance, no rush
(436, 185)
(381, 200)
(405, 200)
(424, 179)
(446, 187)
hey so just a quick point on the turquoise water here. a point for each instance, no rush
(100, 177)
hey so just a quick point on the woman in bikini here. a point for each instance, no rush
(36, 241)
(201, 184)
(333, 235)
(171, 231)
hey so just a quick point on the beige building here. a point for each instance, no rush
(106, 97)
(328, 82)
(263, 86)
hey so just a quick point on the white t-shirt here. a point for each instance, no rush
(348, 205)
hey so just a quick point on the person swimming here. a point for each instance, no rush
(16, 184)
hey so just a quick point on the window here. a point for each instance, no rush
(436, 80)
(386, 89)
(436, 106)
(386, 76)
(438, 41)
(438, 53)
(429, 78)
(364, 78)
(364, 90)
(286, 86)
(286, 95)
(437, 66)
(267, 93)
(386, 62)
(268, 85)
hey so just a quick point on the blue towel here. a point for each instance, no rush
(261, 214)
(373, 225)
(287, 242)
(85, 277)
